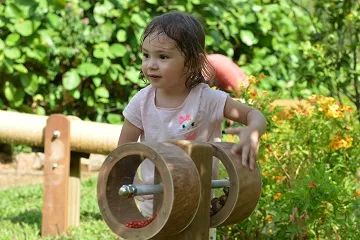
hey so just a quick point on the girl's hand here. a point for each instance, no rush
(248, 147)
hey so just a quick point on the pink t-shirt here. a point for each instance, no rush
(198, 118)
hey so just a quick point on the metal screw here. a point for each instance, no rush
(54, 165)
(56, 134)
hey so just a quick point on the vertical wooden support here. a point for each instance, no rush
(61, 207)
(74, 190)
(56, 176)
(202, 155)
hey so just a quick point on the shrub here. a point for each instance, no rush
(309, 161)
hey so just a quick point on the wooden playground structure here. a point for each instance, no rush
(181, 209)
(182, 187)
(65, 140)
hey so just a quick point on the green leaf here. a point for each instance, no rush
(101, 50)
(13, 12)
(132, 74)
(20, 68)
(248, 37)
(12, 53)
(90, 101)
(88, 69)
(117, 50)
(97, 81)
(40, 110)
(54, 20)
(102, 92)
(25, 28)
(76, 94)
(13, 94)
(121, 35)
(135, 18)
(12, 39)
(30, 84)
(113, 118)
(2, 44)
(106, 63)
(71, 80)
(153, 2)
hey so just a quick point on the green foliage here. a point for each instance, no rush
(310, 172)
(65, 57)
(330, 63)
(82, 58)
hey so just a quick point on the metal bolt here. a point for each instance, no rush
(56, 134)
(55, 165)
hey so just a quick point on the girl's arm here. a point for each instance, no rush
(129, 133)
(255, 122)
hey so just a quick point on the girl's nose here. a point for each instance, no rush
(153, 64)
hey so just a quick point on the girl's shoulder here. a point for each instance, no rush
(144, 92)
(205, 91)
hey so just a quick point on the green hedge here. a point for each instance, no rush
(82, 57)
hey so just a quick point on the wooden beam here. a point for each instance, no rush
(86, 136)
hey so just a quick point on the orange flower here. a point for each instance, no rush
(252, 79)
(277, 196)
(261, 76)
(357, 193)
(334, 111)
(253, 94)
(339, 142)
(266, 173)
(269, 218)
(279, 179)
(304, 108)
(345, 108)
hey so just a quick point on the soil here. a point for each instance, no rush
(25, 169)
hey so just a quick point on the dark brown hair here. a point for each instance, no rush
(189, 35)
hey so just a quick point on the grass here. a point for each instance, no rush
(20, 214)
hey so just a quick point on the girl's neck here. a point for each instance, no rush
(171, 98)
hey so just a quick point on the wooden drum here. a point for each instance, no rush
(180, 197)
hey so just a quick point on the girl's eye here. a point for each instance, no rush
(163, 57)
(145, 55)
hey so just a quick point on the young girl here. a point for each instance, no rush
(178, 104)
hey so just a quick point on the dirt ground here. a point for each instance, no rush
(25, 169)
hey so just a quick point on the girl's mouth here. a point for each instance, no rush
(154, 77)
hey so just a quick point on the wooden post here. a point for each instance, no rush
(61, 207)
(56, 176)
(201, 154)
(74, 189)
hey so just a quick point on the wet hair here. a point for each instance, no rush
(189, 35)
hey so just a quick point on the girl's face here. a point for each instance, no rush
(163, 64)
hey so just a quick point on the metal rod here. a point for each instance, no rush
(138, 190)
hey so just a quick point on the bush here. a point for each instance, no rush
(82, 57)
(309, 161)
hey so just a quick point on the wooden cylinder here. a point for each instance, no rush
(85, 136)
(180, 197)
(245, 188)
